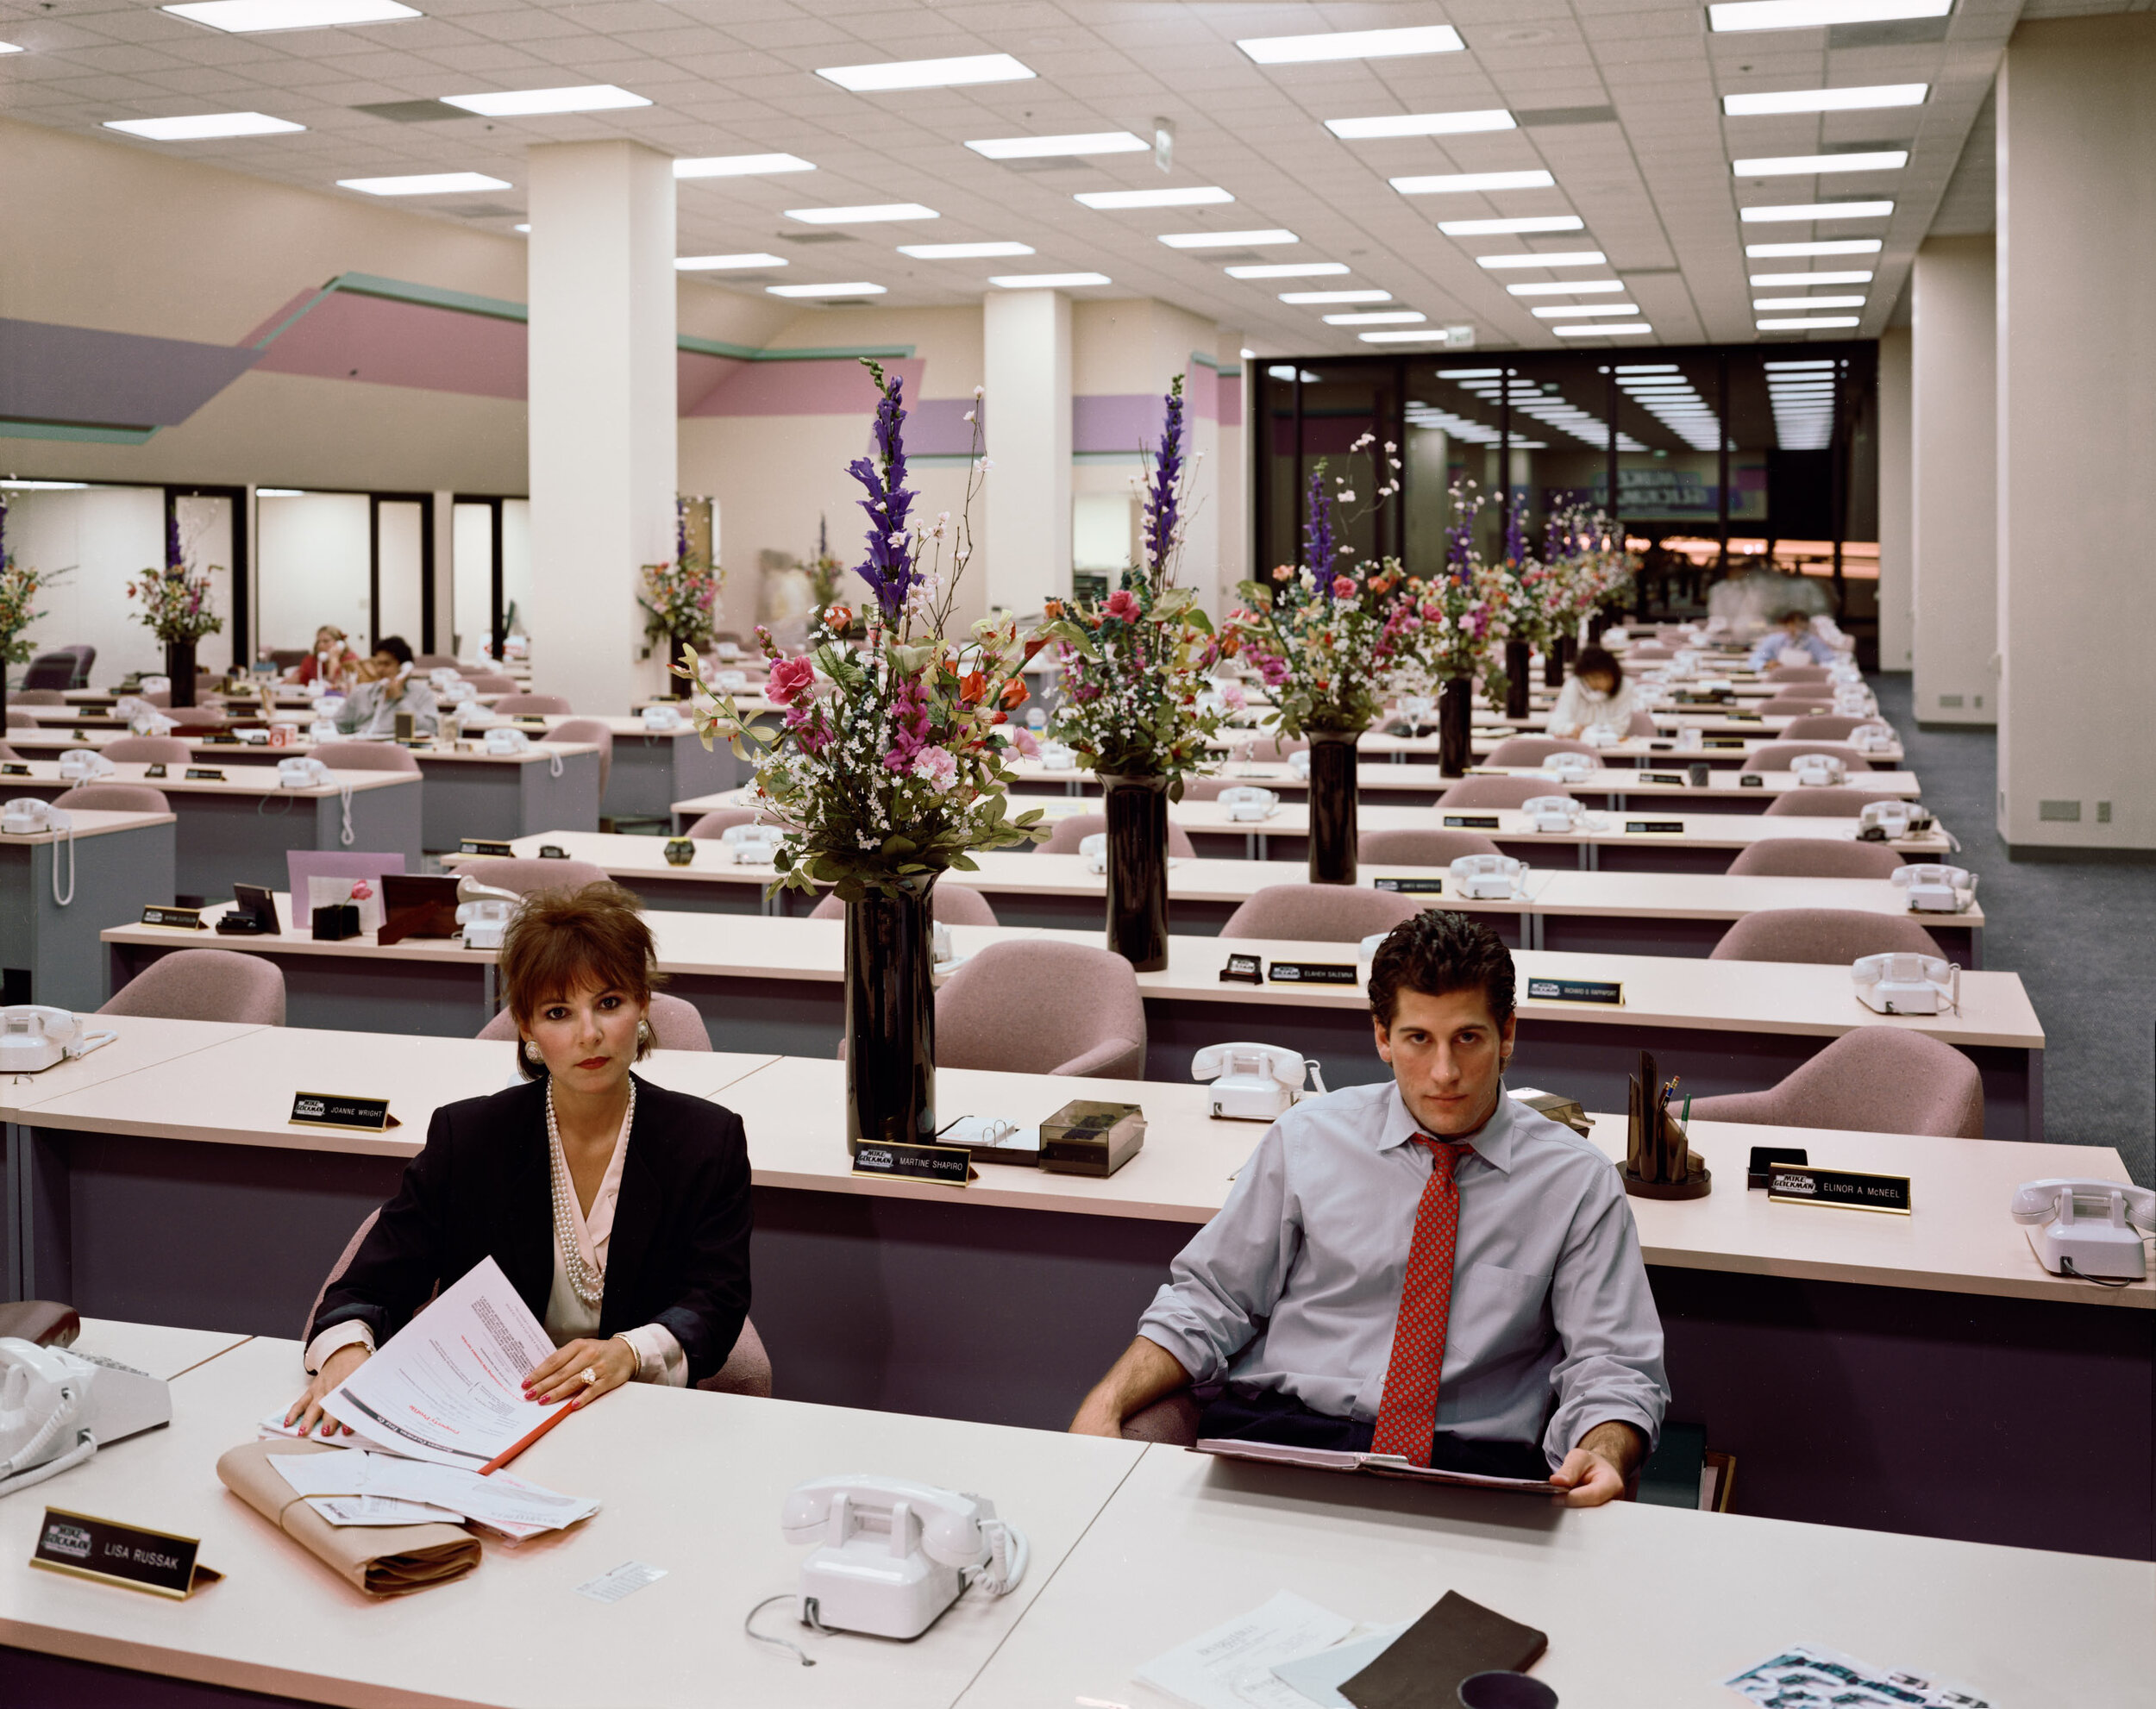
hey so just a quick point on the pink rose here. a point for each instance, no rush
(1122, 604)
(1344, 587)
(790, 679)
(1024, 741)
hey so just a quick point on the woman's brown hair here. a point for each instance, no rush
(561, 940)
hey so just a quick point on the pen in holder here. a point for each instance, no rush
(1659, 1163)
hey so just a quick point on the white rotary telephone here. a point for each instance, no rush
(1855, 700)
(1568, 765)
(751, 845)
(891, 1555)
(484, 912)
(79, 765)
(1488, 878)
(1933, 889)
(1299, 765)
(506, 740)
(1875, 737)
(2087, 1227)
(1554, 815)
(1890, 820)
(300, 772)
(1602, 735)
(1814, 771)
(1056, 757)
(1253, 1082)
(56, 1407)
(1093, 851)
(472, 714)
(34, 1036)
(1247, 803)
(1904, 982)
(662, 720)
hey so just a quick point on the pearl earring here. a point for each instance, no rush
(531, 1050)
(643, 1032)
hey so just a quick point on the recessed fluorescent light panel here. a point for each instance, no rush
(858, 288)
(1816, 322)
(1421, 124)
(1602, 328)
(1559, 311)
(1451, 184)
(1786, 212)
(1083, 142)
(1795, 166)
(1377, 317)
(1826, 100)
(1768, 303)
(1310, 297)
(423, 184)
(1228, 240)
(868, 214)
(740, 166)
(195, 127)
(1566, 288)
(45, 486)
(926, 73)
(1857, 276)
(1289, 269)
(962, 252)
(1824, 246)
(1738, 15)
(1419, 338)
(9, 47)
(716, 263)
(1199, 196)
(1047, 281)
(280, 492)
(514, 103)
(1503, 228)
(1352, 44)
(1556, 258)
(241, 16)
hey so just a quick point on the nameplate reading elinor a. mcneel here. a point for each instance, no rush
(1577, 990)
(324, 1110)
(1847, 1188)
(947, 1165)
(86, 1546)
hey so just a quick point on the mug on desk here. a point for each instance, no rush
(284, 736)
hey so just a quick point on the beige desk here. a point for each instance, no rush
(652, 769)
(1635, 913)
(157, 1348)
(1187, 1543)
(689, 1483)
(57, 887)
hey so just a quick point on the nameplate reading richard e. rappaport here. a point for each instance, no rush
(1471, 822)
(946, 1165)
(1843, 1187)
(1312, 973)
(86, 1546)
(1410, 886)
(324, 1110)
(1577, 990)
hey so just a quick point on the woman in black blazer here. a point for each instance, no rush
(618, 1210)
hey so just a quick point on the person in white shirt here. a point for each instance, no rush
(1596, 697)
(388, 687)
(1791, 642)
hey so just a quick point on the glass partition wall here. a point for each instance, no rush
(1722, 460)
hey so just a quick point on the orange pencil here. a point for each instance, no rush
(515, 1447)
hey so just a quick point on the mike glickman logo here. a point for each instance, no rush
(311, 1106)
(61, 1539)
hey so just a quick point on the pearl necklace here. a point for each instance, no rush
(587, 1281)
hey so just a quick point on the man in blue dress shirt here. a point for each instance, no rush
(1527, 1341)
(1791, 642)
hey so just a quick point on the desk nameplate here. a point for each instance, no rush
(1655, 827)
(164, 914)
(484, 845)
(1312, 973)
(205, 775)
(1410, 886)
(132, 1556)
(946, 1165)
(1611, 992)
(1471, 822)
(358, 1115)
(1848, 1189)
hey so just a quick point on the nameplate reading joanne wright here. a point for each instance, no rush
(157, 914)
(1578, 991)
(1312, 973)
(484, 845)
(1410, 886)
(1852, 1191)
(158, 1562)
(1471, 822)
(361, 1115)
(946, 1165)
(1658, 827)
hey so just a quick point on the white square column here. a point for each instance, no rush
(1896, 495)
(1025, 365)
(602, 427)
(2077, 425)
(1953, 518)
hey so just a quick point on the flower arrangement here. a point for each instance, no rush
(1322, 633)
(19, 588)
(889, 766)
(1133, 663)
(680, 597)
(175, 600)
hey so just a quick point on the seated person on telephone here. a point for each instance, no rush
(1422, 1267)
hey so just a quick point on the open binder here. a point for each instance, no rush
(1374, 1465)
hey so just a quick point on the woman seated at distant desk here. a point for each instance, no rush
(1595, 697)
(386, 686)
(618, 1210)
(332, 663)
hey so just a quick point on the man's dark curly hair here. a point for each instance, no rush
(1437, 952)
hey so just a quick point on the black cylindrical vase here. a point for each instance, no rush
(890, 1018)
(1552, 666)
(1568, 650)
(1456, 721)
(180, 666)
(1516, 655)
(1137, 810)
(1332, 818)
(1597, 625)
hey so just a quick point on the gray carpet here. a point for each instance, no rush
(2081, 936)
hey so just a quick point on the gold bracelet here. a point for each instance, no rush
(635, 1358)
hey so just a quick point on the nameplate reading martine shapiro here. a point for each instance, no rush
(947, 1165)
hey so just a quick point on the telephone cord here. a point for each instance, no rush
(554, 768)
(1008, 1554)
(64, 822)
(748, 1625)
(37, 1475)
(344, 795)
(2067, 1267)
(27, 1455)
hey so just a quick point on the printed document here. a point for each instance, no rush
(504, 1502)
(1232, 1666)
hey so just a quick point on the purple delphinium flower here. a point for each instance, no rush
(1515, 530)
(1160, 503)
(1459, 537)
(1316, 528)
(888, 567)
(174, 563)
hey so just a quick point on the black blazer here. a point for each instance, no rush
(483, 1187)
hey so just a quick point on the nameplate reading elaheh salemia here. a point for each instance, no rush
(1410, 886)
(324, 1110)
(484, 845)
(164, 914)
(89, 1548)
(1851, 1192)
(1471, 822)
(204, 775)
(1658, 827)
(947, 1165)
(1578, 991)
(1312, 973)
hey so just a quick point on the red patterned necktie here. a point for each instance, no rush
(1407, 1414)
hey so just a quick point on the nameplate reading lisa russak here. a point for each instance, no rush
(324, 1110)
(946, 1165)
(1787, 1185)
(86, 1546)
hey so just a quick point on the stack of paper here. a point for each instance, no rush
(356, 1488)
